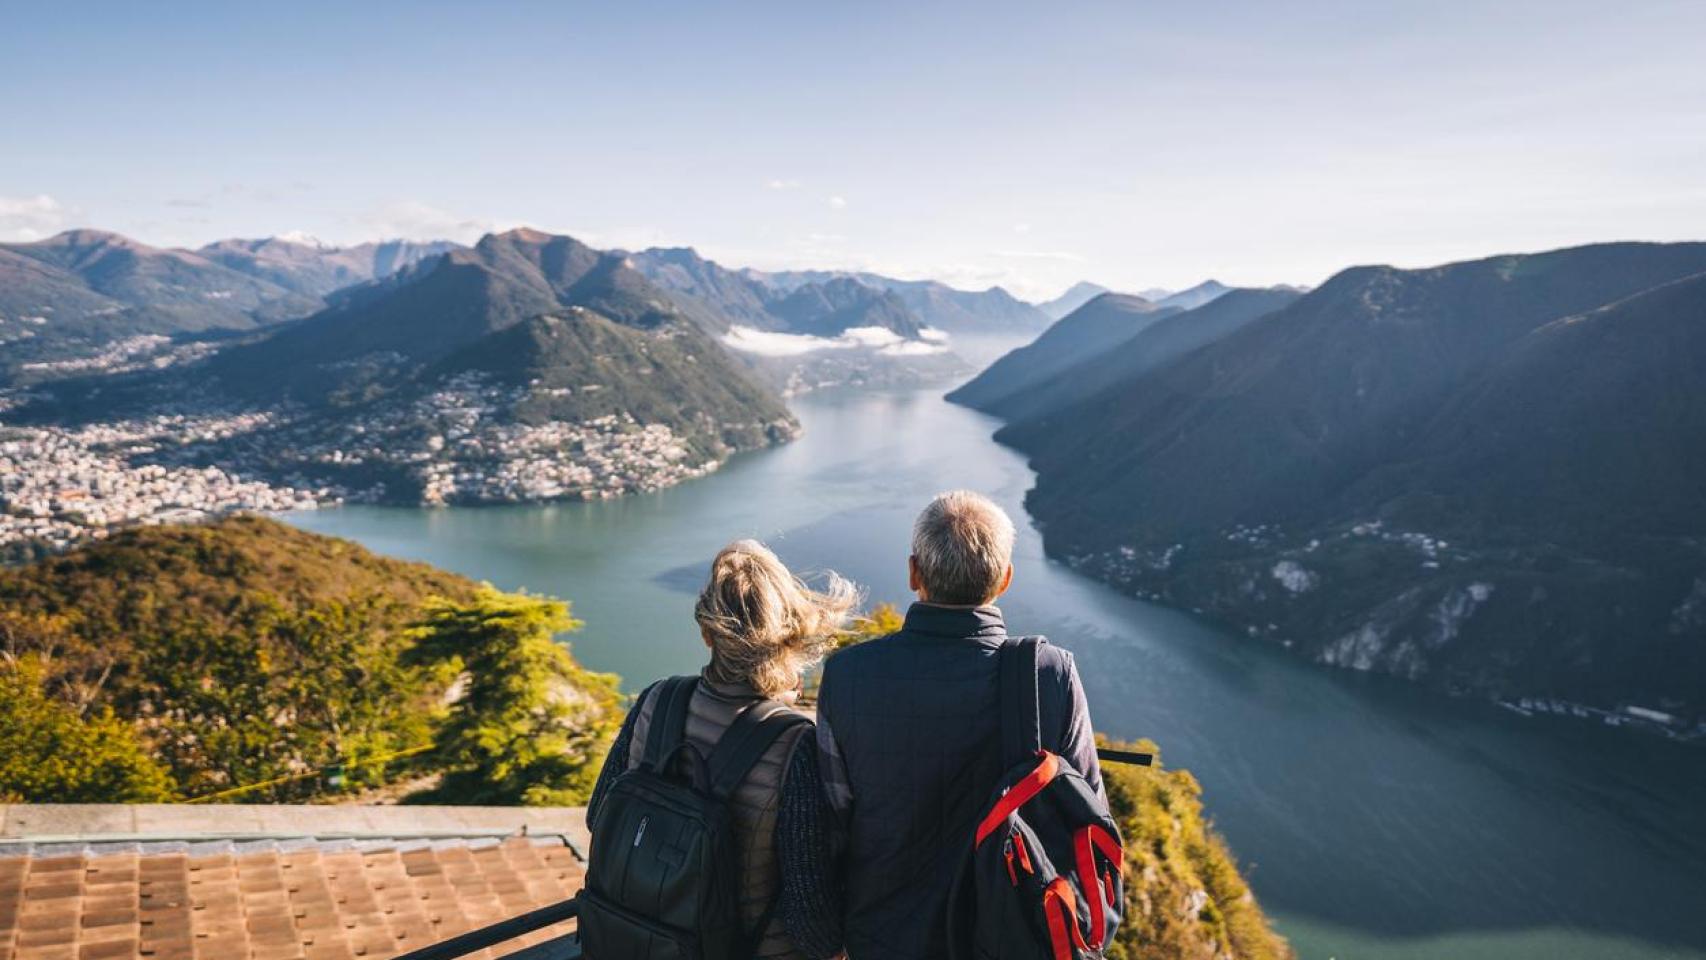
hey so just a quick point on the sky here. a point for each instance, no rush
(1031, 145)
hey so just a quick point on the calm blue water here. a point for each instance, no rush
(1375, 821)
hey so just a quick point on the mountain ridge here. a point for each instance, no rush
(1106, 320)
(1439, 473)
(1072, 298)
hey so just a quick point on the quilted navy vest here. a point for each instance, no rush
(914, 717)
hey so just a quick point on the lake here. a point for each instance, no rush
(1374, 820)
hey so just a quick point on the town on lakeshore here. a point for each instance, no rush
(62, 485)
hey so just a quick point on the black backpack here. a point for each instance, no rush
(663, 882)
(1044, 875)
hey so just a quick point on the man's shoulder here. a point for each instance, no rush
(865, 650)
(1055, 666)
(1051, 658)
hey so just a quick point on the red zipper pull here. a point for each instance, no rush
(1014, 877)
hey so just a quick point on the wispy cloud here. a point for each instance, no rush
(1060, 255)
(30, 218)
(838, 202)
(782, 185)
(768, 343)
(415, 220)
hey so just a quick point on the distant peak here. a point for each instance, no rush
(303, 238)
(87, 237)
(526, 235)
(673, 254)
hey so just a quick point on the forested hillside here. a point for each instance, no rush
(1483, 475)
(180, 662)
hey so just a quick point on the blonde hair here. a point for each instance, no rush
(764, 624)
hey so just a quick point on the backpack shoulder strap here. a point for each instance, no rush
(743, 744)
(668, 727)
(1021, 726)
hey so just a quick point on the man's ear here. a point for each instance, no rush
(1006, 582)
(914, 582)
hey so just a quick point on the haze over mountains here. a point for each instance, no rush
(1484, 475)
(314, 269)
(991, 311)
(1072, 298)
(1107, 320)
(1083, 292)
(720, 298)
(802, 332)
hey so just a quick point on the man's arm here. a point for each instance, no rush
(832, 768)
(1078, 740)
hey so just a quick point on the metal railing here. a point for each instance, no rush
(561, 948)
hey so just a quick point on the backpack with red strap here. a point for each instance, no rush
(1044, 878)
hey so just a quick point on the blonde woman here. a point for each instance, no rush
(764, 628)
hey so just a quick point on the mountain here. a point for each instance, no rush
(718, 296)
(939, 306)
(990, 311)
(528, 367)
(832, 307)
(579, 366)
(797, 337)
(825, 306)
(173, 285)
(72, 294)
(314, 270)
(1195, 297)
(713, 295)
(1109, 319)
(1481, 475)
(386, 331)
(1581, 383)
(1156, 345)
(1074, 297)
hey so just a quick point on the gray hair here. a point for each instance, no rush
(963, 546)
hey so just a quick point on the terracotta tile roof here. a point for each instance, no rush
(271, 899)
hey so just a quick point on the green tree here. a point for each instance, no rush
(528, 724)
(74, 670)
(49, 753)
(1184, 895)
(284, 692)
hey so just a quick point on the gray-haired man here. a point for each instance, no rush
(908, 731)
